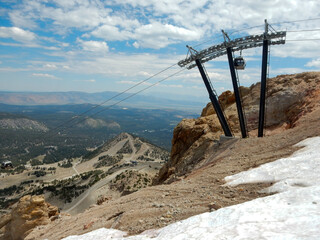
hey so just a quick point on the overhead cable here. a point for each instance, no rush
(113, 97)
(305, 30)
(302, 40)
(136, 93)
(248, 28)
(303, 20)
(112, 105)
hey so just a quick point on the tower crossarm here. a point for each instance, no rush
(251, 41)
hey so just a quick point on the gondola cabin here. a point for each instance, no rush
(239, 63)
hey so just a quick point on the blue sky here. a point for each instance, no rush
(95, 46)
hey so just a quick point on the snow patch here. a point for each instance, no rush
(101, 233)
(302, 169)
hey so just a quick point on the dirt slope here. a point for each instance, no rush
(200, 190)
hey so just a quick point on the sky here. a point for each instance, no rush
(96, 46)
(292, 212)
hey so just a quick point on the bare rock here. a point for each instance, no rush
(289, 97)
(226, 99)
(213, 206)
(29, 212)
(5, 220)
(208, 110)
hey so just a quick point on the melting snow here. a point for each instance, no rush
(292, 213)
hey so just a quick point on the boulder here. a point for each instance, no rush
(29, 212)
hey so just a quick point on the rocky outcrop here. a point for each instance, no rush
(289, 97)
(187, 133)
(29, 212)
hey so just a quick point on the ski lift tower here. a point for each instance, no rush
(228, 47)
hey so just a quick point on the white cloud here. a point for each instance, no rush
(81, 17)
(89, 80)
(197, 87)
(29, 45)
(153, 35)
(158, 23)
(50, 66)
(71, 3)
(17, 34)
(295, 45)
(146, 74)
(94, 46)
(136, 44)
(287, 71)
(215, 75)
(11, 69)
(170, 85)
(63, 14)
(246, 77)
(22, 19)
(314, 63)
(133, 83)
(44, 75)
(90, 28)
(157, 35)
(111, 33)
(120, 65)
(25, 38)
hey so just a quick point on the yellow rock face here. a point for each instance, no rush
(29, 212)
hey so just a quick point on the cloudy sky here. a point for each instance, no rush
(95, 45)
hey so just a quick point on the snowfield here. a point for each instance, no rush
(293, 212)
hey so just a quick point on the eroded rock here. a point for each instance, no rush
(29, 212)
(289, 97)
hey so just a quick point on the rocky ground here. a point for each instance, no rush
(194, 179)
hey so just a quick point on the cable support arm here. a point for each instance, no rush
(238, 44)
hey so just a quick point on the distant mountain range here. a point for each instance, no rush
(62, 98)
